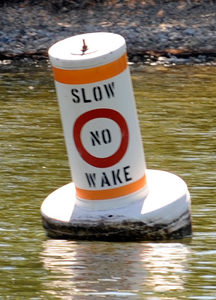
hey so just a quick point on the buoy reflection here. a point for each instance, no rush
(166, 264)
(117, 269)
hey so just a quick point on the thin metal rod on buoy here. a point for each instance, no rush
(84, 47)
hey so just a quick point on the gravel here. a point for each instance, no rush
(163, 31)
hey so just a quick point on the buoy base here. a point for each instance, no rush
(163, 214)
(124, 231)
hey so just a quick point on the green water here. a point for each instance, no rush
(177, 113)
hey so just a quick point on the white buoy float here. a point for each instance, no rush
(113, 196)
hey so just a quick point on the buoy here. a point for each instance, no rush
(113, 196)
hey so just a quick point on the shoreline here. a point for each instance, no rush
(172, 32)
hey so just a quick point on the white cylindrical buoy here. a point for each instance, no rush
(103, 142)
(99, 116)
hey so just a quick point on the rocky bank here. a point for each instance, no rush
(180, 31)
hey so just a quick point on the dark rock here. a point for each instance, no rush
(189, 31)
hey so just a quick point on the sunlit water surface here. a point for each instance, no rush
(177, 113)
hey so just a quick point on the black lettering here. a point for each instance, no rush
(97, 93)
(127, 174)
(109, 89)
(85, 100)
(91, 177)
(104, 180)
(95, 138)
(116, 177)
(76, 98)
(106, 136)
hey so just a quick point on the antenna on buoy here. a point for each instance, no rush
(84, 47)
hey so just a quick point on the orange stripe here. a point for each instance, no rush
(91, 75)
(111, 193)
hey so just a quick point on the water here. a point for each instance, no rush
(177, 112)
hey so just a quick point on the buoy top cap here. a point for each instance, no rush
(87, 50)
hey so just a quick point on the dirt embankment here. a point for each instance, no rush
(171, 31)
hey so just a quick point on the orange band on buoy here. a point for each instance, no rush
(91, 75)
(111, 193)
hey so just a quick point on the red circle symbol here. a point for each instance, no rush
(95, 161)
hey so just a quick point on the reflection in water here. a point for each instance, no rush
(166, 264)
(114, 269)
